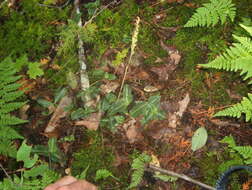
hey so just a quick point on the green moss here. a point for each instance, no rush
(29, 30)
(95, 156)
(115, 27)
(208, 167)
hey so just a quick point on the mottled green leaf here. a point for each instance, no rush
(150, 110)
(36, 171)
(24, 154)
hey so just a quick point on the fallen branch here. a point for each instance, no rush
(181, 176)
(82, 59)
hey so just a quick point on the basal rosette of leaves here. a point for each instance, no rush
(115, 110)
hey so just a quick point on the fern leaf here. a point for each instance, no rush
(248, 29)
(245, 152)
(236, 58)
(6, 120)
(9, 107)
(213, 12)
(11, 96)
(244, 107)
(9, 133)
(138, 166)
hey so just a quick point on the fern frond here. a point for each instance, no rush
(11, 96)
(244, 107)
(212, 13)
(138, 166)
(9, 93)
(236, 58)
(245, 152)
(7, 120)
(9, 107)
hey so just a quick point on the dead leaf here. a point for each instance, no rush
(174, 118)
(22, 111)
(137, 59)
(159, 17)
(175, 57)
(110, 86)
(91, 102)
(172, 61)
(59, 113)
(92, 122)
(159, 129)
(191, 5)
(55, 67)
(161, 71)
(44, 61)
(142, 75)
(169, 107)
(158, 60)
(26, 84)
(183, 104)
(169, 49)
(133, 131)
(65, 147)
(150, 88)
(233, 95)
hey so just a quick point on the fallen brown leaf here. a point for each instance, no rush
(171, 62)
(59, 113)
(150, 88)
(183, 104)
(159, 17)
(92, 122)
(174, 118)
(110, 86)
(23, 111)
(133, 131)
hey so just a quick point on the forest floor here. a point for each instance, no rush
(163, 66)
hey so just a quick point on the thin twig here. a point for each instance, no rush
(181, 176)
(5, 172)
(99, 11)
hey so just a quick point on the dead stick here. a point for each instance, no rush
(181, 176)
(81, 52)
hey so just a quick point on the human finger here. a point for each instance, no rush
(78, 185)
(61, 182)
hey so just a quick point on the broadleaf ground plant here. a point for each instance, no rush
(39, 45)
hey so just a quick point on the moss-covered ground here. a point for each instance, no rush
(37, 32)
